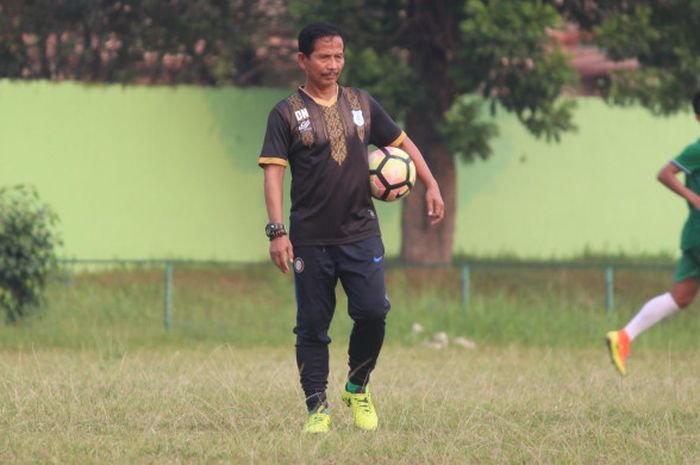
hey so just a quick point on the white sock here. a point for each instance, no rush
(651, 313)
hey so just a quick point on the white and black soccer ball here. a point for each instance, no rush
(392, 173)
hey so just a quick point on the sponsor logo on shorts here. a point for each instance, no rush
(377, 259)
(298, 265)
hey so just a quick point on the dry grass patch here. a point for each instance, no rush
(229, 405)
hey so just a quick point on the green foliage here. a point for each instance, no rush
(507, 57)
(375, 49)
(464, 134)
(153, 41)
(363, 22)
(383, 72)
(428, 60)
(27, 249)
(661, 36)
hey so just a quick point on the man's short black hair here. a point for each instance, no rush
(696, 103)
(314, 31)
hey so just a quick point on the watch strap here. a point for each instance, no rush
(275, 230)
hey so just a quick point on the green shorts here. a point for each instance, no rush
(688, 266)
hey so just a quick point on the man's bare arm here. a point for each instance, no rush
(281, 251)
(433, 197)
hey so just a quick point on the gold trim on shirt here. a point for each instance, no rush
(399, 140)
(324, 103)
(272, 161)
(336, 133)
(355, 107)
(299, 107)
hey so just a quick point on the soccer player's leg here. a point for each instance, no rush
(684, 289)
(685, 281)
(314, 282)
(361, 271)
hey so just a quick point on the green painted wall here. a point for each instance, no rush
(596, 190)
(143, 172)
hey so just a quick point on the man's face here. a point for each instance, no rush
(324, 65)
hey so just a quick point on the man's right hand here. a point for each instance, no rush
(281, 252)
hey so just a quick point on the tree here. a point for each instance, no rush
(136, 41)
(435, 64)
(661, 35)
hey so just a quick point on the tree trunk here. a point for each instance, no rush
(434, 35)
(421, 242)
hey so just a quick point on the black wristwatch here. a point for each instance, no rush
(275, 230)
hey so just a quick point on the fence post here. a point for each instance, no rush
(609, 289)
(168, 298)
(465, 287)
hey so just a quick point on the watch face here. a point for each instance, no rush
(272, 228)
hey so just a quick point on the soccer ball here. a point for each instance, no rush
(392, 173)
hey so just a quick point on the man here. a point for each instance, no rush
(322, 131)
(685, 280)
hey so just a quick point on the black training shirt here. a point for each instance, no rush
(325, 145)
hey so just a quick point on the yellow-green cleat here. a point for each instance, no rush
(619, 348)
(362, 409)
(318, 421)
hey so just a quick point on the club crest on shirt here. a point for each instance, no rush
(357, 118)
(298, 265)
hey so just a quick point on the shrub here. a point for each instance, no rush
(28, 243)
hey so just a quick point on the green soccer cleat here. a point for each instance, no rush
(362, 409)
(619, 348)
(318, 421)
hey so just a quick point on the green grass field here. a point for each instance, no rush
(95, 378)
